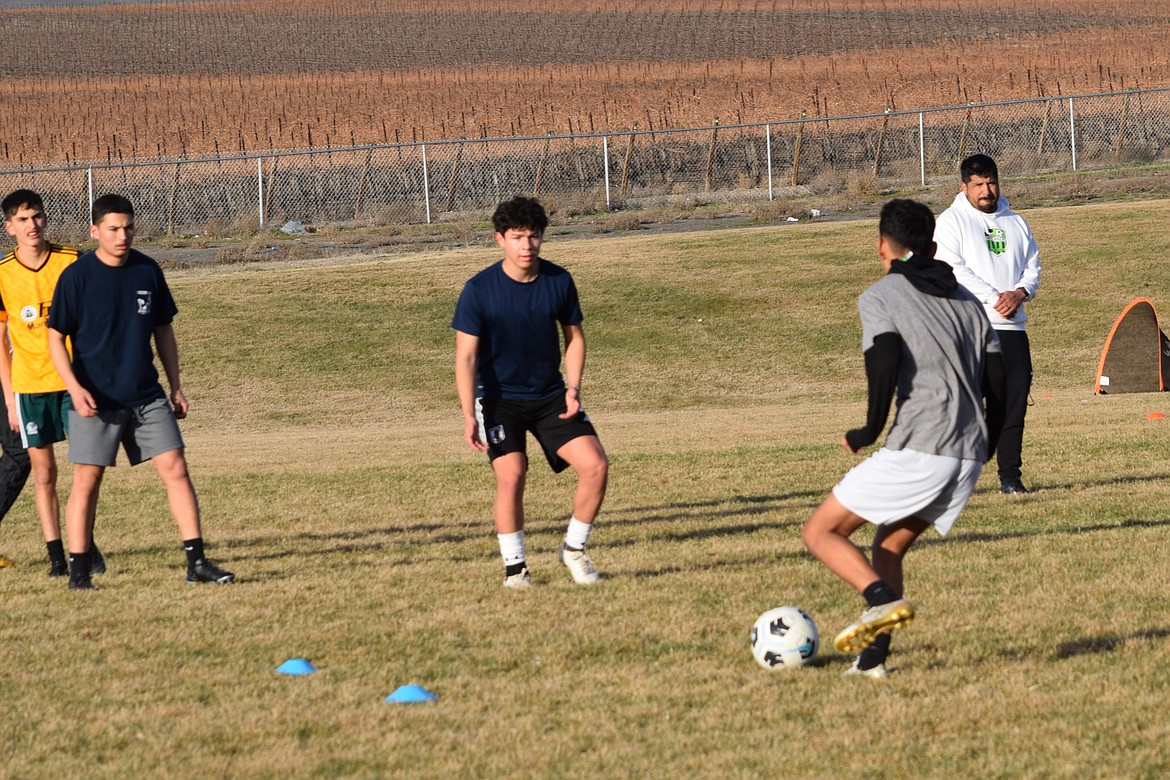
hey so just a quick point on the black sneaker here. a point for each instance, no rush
(204, 570)
(1013, 486)
(97, 563)
(58, 569)
(80, 583)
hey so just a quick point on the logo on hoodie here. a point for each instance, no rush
(996, 240)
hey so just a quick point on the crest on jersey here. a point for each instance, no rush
(28, 313)
(996, 240)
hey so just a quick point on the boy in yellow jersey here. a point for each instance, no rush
(37, 401)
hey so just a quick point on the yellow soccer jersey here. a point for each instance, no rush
(25, 296)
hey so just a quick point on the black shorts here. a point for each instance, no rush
(503, 423)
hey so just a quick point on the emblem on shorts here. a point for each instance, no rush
(28, 313)
(496, 435)
(31, 428)
(144, 301)
(996, 240)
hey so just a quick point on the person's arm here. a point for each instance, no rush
(167, 347)
(574, 368)
(881, 371)
(1025, 290)
(6, 376)
(466, 357)
(82, 399)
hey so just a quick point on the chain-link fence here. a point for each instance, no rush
(420, 182)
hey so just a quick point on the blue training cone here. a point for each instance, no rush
(410, 694)
(297, 666)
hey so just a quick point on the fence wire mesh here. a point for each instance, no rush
(424, 182)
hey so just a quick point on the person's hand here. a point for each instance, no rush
(572, 403)
(13, 417)
(83, 403)
(845, 444)
(179, 402)
(1008, 303)
(471, 434)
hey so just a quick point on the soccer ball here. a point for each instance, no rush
(784, 638)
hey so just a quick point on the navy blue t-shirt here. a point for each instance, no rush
(518, 326)
(110, 313)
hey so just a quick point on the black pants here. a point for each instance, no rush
(1017, 362)
(14, 466)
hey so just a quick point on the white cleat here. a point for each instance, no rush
(579, 566)
(519, 581)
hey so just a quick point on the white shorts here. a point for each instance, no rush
(893, 485)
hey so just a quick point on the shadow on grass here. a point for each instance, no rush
(1005, 535)
(1107, 643)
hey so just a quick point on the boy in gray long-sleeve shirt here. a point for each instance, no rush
(926, 339)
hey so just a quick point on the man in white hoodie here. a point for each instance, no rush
(995, 257)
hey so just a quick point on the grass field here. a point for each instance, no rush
(325, 441)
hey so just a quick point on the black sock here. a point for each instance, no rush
(194, 550)
(514, 568)
(56, 551)
(875, 654)
(79, 565)
(879, 593)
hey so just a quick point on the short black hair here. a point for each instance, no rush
(909, 224)
(520, 212)
(21, 199)
(110, 204)
(978, 165)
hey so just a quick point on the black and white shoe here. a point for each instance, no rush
(1013, 486)
(58, 569)
(97, 561)
(204, 570)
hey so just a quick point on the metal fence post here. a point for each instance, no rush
(89, 180)
(921, 150)
(426, 184)
(1072, 132)
(605, 160)
(768, 148)
(260, 187)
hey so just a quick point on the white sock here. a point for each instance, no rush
(512, 547)
(578, 534)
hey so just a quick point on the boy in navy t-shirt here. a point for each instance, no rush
(111, 304)
(508, 327)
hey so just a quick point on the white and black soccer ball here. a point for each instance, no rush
(784, 638)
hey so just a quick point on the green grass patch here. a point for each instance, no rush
(325, 440)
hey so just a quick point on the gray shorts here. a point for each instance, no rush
(143, 431)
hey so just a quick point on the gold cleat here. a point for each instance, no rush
(5, 563)
(872, 623)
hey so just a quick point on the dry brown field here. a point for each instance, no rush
(148, 80)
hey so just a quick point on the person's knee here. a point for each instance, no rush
(595, 471)
(45, 476)
(172, 467)
(510, 477)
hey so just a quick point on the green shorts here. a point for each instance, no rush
(44, 417)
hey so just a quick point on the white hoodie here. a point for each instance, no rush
(968, 239)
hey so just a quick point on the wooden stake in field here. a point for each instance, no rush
(711, 155)
(361, 191)
(796, 149)
(1043, 129)
(173, 196)
(629, 157)
(963, 137)
(1121, 126)
(454, 174)
(877, 160)
(540, 165)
